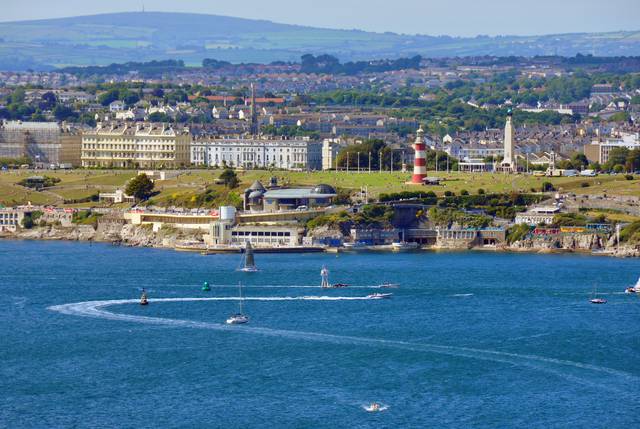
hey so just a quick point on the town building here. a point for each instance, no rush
(42, 142)
(10, 219)
(598, 151)
(257, 152)
(538, 216)
(330, 150)
(136, 145)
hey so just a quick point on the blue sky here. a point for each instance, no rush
(434, 17)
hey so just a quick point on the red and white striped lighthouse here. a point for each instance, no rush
(420, 162)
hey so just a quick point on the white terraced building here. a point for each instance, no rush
(249, 153)
(141, 145)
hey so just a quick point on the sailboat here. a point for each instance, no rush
(247, 263)
(324, 274)
(595, 300)
(238, 318)
(633, 289)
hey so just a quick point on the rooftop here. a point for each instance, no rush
(296, 193)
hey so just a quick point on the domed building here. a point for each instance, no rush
(257, 198)
(253, 196)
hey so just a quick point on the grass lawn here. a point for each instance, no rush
(79, 183)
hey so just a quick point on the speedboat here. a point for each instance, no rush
(380, 296)
(389, 286)
(339, 285)
(237, 319)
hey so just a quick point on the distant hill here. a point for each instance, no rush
(145, 36)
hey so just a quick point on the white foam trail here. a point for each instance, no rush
(235, 286)
(462, 294)
(96, 309)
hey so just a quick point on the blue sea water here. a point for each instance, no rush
(469, 339)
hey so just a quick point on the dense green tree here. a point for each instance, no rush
(229, 178)
(617, 157)
(140, 187)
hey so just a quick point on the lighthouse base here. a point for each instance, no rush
(418, 179)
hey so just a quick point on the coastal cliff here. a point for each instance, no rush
(108, 232)
(574, 243)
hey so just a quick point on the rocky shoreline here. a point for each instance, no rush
(143, 236)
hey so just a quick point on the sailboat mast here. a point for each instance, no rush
(240, 292)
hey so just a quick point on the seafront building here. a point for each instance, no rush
(257, 152)
(142, 145)
(45, 143)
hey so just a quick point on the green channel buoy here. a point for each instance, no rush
(205, 287)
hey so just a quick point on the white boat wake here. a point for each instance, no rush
(558, 367)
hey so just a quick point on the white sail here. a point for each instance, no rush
(324, 274)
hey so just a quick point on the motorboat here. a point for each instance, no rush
(238, 318)
(389, 286)
(380, 296)
(357, 245)
(403, 245)
(143, 298)
(339, 285)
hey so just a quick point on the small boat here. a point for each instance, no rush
(339, 285)
(238, 318)
(247, 263)
(380, 296)
(375, 407)
(206, 287)
(389, 286)
(402, 245)
(357, 245)
(143, 298)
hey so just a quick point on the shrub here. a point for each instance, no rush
(629, 176)
(518, 232)
(584, 185)
(547, 187)
(464, 192)
(481, 191)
